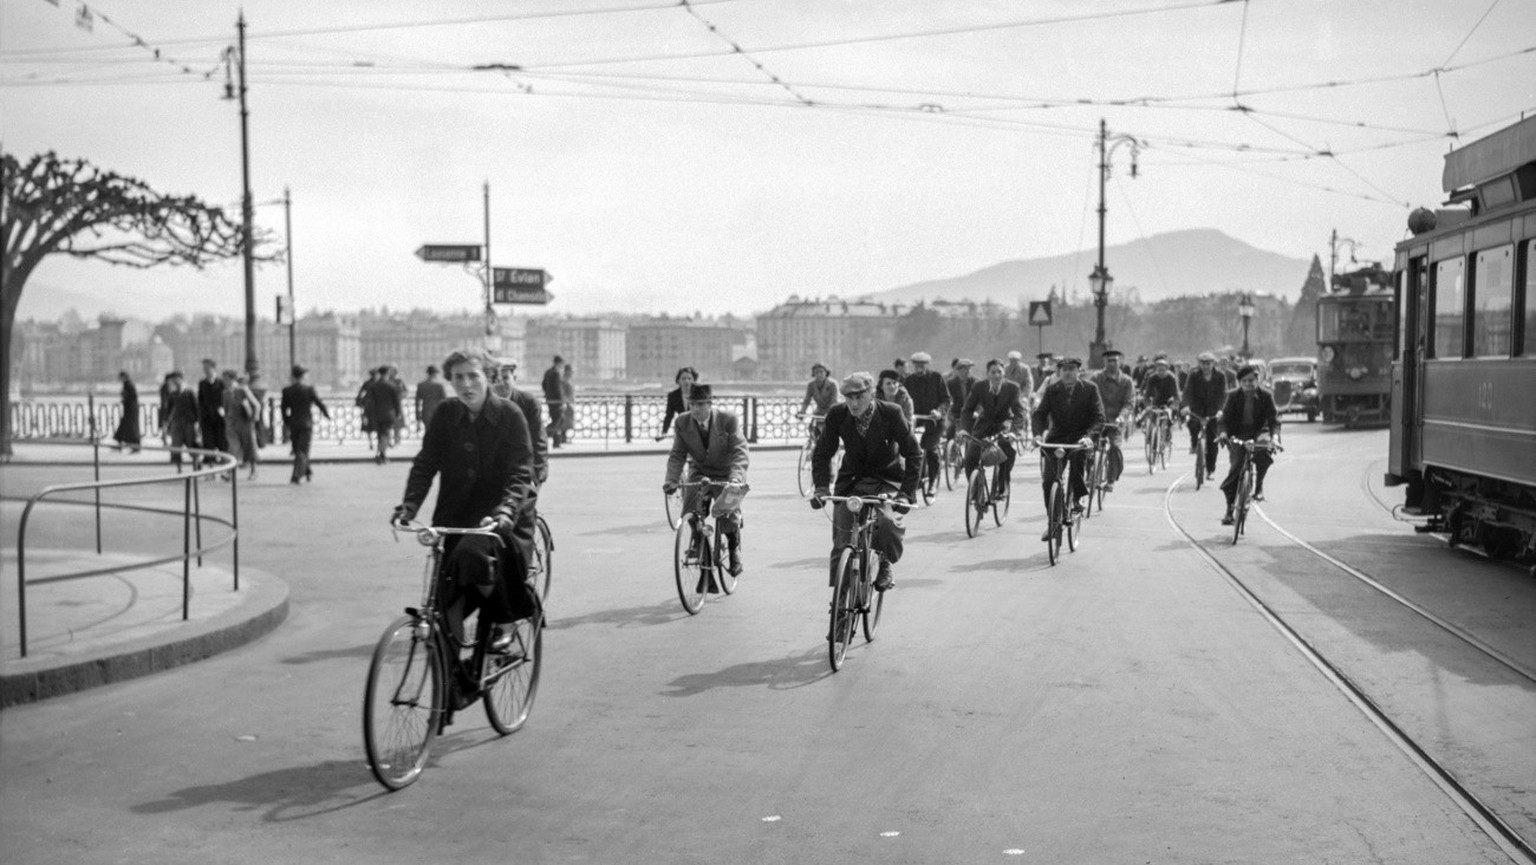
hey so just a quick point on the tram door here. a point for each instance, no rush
(1405, 444)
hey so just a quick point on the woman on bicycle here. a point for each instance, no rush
(1068, 412)
(820, 390)
(677, 399)
(891, 391)
(480, 446)
(1249, 413)
(710, 441)
(880, 455)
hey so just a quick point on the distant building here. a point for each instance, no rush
(656, 348)
(327, 343)
(845, 335)
(46, 354)
(412, 341)
(594, 347)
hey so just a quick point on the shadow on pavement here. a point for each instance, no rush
(658, 614)
(655, 527)
(284, 794)
(780, 674)
(1019, 563)
(362, 651)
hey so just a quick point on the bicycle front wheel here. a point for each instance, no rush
(403, 702)
(874, 601)
(688, 564)
(1167, 447)
(1074, 529)
(1001, 498)
(1054, 522)
(975, 502)
(543, 557)
(803, 471)
(513, 677)
(1151, 448)
(953, 465)
(1095, 469)
(1240, 506)
(673, 502)
(1200, 467)
(844, 611)
(723, 576)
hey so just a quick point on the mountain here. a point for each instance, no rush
(1191, 262)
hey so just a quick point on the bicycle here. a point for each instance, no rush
(541, 570)
(1159, 431)
(673, 502)
(698, 550)
(854, 597)
(813, 426)
(981, 492)
(1098, 468)
(418, 677)
(1246, 481)
(1201, 440)
(929, 487)
(1061, 519)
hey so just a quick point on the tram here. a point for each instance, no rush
(1354, 347)
(1463, 401)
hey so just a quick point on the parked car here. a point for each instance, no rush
(1293, 380)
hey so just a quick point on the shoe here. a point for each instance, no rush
(1227, 519)
(309, 475)
(883, 578)
(293, 480)
(1193, 450)
(1109, 487)
(501, 638)
(1258, 495)
(1045, 536)
(734, 566)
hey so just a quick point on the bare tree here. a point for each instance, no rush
(56, 206)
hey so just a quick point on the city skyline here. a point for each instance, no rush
(650, 166)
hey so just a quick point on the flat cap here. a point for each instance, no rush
(857, 382)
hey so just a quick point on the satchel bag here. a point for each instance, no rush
(993, 455)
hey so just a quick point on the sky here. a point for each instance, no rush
(718, 156)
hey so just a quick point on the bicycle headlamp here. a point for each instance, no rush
(854, 503)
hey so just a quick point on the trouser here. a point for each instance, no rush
(1076, 460)
(1262, 459)
(1115, 454)
(213, 433)
(845, 522)
(300, 437)
(1210, 444)
(729, 523)
(1004, 469)
(552, 430)
(182, 434)
(930, 445)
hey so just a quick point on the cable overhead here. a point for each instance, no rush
(688, 6)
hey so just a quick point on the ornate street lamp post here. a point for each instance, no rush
(1100, 279)
(1245, 309)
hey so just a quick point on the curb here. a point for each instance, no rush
(262, 611)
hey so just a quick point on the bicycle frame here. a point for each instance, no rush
(1246, 479)
(850, 602)
(1058, 517)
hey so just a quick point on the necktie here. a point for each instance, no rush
(1248, 410)
(704, 434)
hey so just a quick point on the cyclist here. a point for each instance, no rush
(1017, 371)
(505, 387)
(959, 386)
(1067, 413)
(1117, 393)
(930, 399)
(994, 406)
(880, 455)
(1249, 413)
(822, 391)
(890, 390)
(1160, 389)
(710, 441)
(1203, 398)
(480, 446)
(677, 398)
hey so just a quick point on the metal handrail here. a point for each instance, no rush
(225, 463)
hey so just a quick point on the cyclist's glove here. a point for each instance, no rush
(669, 489)
(902, 504)
(817, 502)
(404, 513)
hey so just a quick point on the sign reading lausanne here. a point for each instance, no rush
(451, 252)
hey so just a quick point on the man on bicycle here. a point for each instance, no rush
(1067, 413)
(710, 441)
(880, 455)
(930, 400)
(993, 407)
(1249, 413)
(1160, 389)
(959, 387)
(480, 446)
(820, 390)
(505, 387)
(1118, 393)
(1017, 371)
(1203, 398)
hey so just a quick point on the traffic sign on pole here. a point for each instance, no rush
(450, 252)
(1040, 312)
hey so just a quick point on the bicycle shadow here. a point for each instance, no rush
(1002, 565)
(657, 614)
(364, 650)
(305, 791)
(658, 527)
(782, 674)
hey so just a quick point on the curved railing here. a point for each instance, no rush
(214, 463)
(597, 418)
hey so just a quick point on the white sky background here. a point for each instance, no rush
(647, 176)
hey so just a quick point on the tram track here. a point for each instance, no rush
(1506, 837)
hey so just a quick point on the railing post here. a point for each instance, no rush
(21, 577)
(234, 517)
(96, 476)
(197, 505)
(186, 549)
(629, 418)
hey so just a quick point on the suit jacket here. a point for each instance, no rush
(1068, 418)
(889, 452)
(1265, 418)
(1205, 397)
(725, 459)
(532, 412)
(984, 414)
(959, 389)
(929, 392)
(382, 401)
(485, 465)
(1117, 394)
(298, 399)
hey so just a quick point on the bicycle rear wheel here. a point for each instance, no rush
(543, 564)
(723, 577)
(688, 564)
(1054, 522)
(674, 505)
(1240, 506)
(975, 502)
(1000, 502)
(874, 601)
(844, 611)
(403, 702)
(803, 471)
(513, 677)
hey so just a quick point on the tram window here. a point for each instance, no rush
(1449, 308)
(1327, 322)
(1529, 343)
(1492, 296)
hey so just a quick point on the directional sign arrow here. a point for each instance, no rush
(452, 252)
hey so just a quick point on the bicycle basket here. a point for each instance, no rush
(728, 500)
(992, 455)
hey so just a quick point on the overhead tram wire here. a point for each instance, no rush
(1142, 232)
(741, 51)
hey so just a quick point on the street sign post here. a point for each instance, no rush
(1040, 317)
(453, 253)
(520, 285)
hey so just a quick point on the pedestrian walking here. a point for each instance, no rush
(182, 418)
(210, 407)
(258, 387)
(568, 404)
(240, 412)
(554, 399)
(401, 394)
(127, 433)
(430, 393)
(381, 408)
(299, 399)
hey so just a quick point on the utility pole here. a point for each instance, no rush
(492, 332)
(246, 207)
(1100, 280)
(293, 311)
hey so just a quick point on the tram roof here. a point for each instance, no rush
(1491, 156)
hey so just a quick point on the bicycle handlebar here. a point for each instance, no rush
(429, 535)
